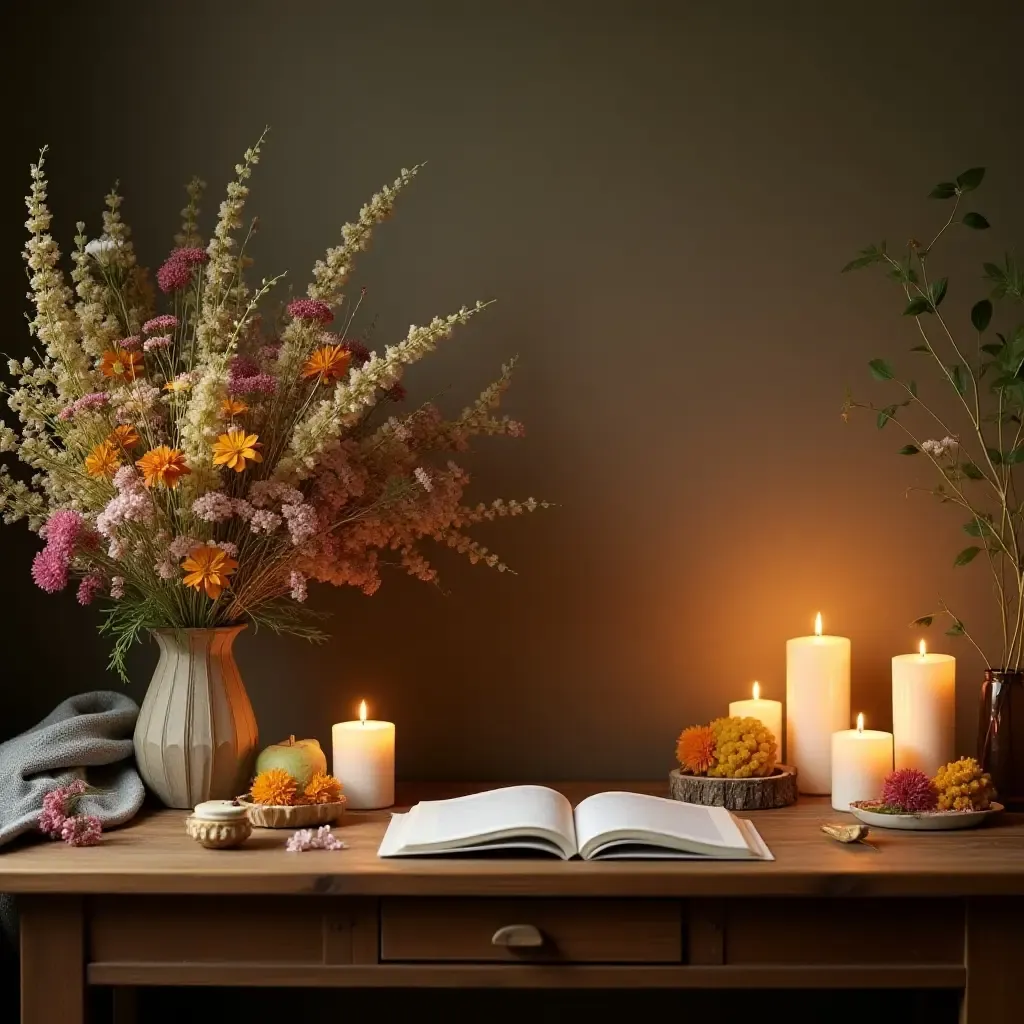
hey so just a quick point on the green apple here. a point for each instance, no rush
(301, 759)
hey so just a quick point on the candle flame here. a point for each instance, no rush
(362, 711)
(757, 691)
(817, 624)
(860, 723)
(921, 647)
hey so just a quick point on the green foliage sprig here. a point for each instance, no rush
(977, 464)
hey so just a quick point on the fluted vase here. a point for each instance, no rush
(195, 738)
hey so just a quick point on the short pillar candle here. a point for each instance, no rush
(364, 761)
(817, 705)
(924, 710)
(767, 712)
(861, 759)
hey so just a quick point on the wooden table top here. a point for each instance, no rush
(154, 855)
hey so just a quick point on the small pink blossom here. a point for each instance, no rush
(242, 366)
(81, 830)
(302, 522)
(257, 384)
(90, 586)
(173, 275)
(181, 546)
(57, 806)
(213, 507)
(423, 478)
(310, 309)
(228, 547)
(117, 587)
(306, 839)
(191, 255)
(87, 403)
(263, 493)
(357, 350)
(131, 343)
(297, 582)
(166, 322)
(160, 341)
(264, 521)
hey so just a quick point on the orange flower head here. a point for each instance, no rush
(208, 568)
(328, 363)
(696, 749)
(275, 787)
(322, 789)
(102, 460)
(124, 436)
(121, 365)
(236, 448)
(163, 465)
(233, 407)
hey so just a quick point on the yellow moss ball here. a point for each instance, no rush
(963, 786)
(744, 749)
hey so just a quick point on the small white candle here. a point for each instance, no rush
(924, 710)
(817, 705)
(767, 712)
(861, 759)
(364, 761)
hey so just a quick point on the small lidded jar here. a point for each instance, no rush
(219, 824)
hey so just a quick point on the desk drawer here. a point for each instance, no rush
(531, 930)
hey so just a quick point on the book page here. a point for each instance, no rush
(638, 818)
(443, 825)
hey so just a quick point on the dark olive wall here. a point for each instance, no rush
(660, 197)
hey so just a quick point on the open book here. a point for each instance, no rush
(606, 826)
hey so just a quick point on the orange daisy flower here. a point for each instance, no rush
(124, 436)
(121, 365)
(209, 569)
(233, 407)
(163, 465)
(327, 363)
(235, 448)
(102, 460)
(696, 749)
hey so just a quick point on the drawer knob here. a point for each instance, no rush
(518, 936)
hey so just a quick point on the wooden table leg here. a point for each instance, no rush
(994, 952)
(52, 959)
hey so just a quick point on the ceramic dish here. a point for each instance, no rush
(925, 821)
(298, 816)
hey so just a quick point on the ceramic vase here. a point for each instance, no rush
(196, 736)
(1001, 734)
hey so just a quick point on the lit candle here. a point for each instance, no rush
(861, 759)
(924, 710)
(817, 704)
(767, 712)
(364, 761)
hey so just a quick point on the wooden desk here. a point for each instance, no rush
(150, 907)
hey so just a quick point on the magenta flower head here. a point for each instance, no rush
(159, 324)
(311, 309)
(357, 350)
(173, 275)
(909, 789)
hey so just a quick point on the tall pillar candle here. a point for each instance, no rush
(817, 705)
(861, 759)
(364, 761)
(924, 710)
(767, 712)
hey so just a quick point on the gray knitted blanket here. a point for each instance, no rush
(88, 736)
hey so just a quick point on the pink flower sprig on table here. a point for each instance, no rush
(306, 839)
(57, 821)
(909, 789)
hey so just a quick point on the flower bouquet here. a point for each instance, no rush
(193, 468)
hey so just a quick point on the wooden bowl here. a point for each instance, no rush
(297, 816)
(756, 794)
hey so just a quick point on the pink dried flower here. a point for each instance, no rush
(909, 789)
(57, 804)
(297, 583)
(130, 343)
(306, 839)
(63, 532)
(242, 366)
(310, 309)
(258, 383)
(117, 587)
(192, 255)
(87, 403)
(49, 571)
(90, 586)
(160, 341)
(81, 830)
(264, 521)
(268, 353)
(357, 350)
(160, 323)
(173, 275)
(213, 507)
(302, 521)
(423, 478)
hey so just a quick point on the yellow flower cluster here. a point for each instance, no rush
(963, 786)
(744, 749)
